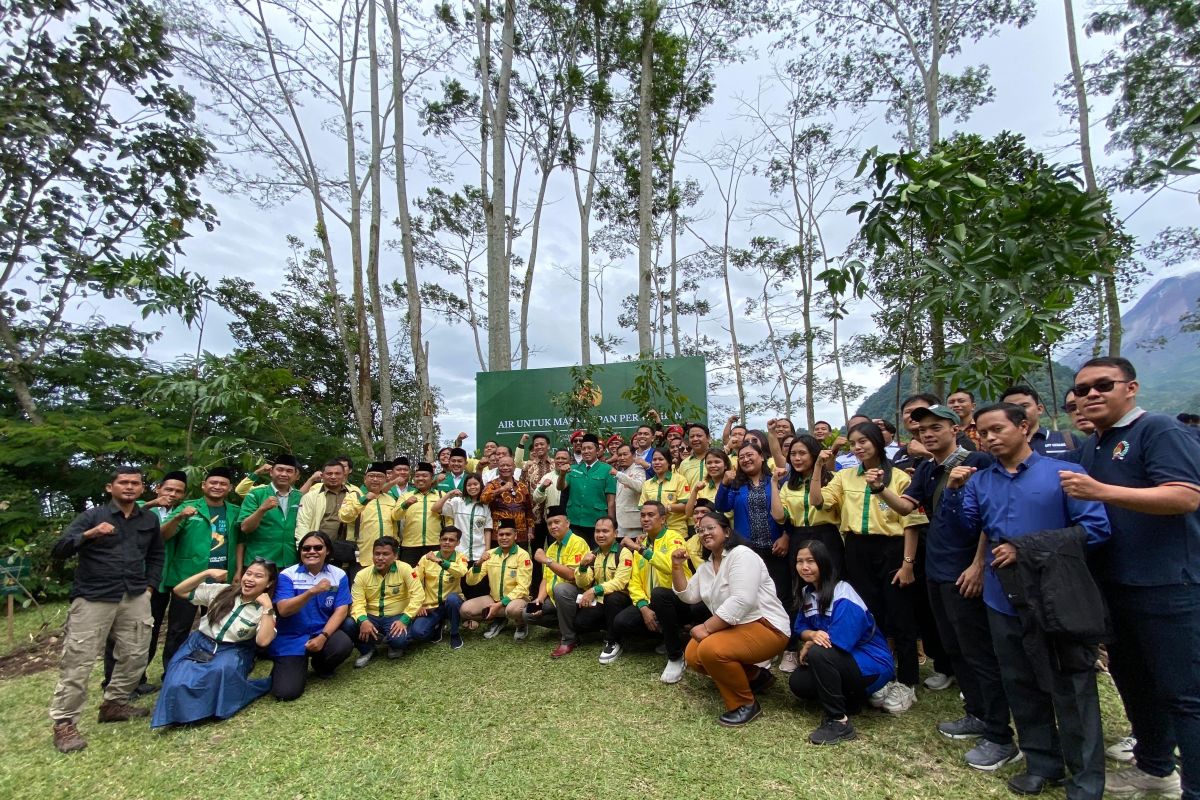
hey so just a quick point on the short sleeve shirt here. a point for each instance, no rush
(293, 631)
(239, 625)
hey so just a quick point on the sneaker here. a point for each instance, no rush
(789, 662)
(900, 699)
(1122, 750)
(395, 652)
(832, 731)
(494, 629)
(521, 633)
(877, 699)
(456, 641)
(1131, 781)
(364, 659)
(610, 653)
(437, 638)
(116, 711)
(673, 672)
(939, 681)
(968, 727)
(989, 756)
(67, 738)
(661, 650)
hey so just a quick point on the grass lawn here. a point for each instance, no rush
(497, 719)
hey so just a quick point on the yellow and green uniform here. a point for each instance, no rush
(275, 537)
(420, 525)
(442, 577)
(196, 538)
(695, 550)
(608, 573)
(568, 552)
(509, 573)
(692, 469)
(652, 568)
(671, 488)
(707, 491)
(799, 510)
(372, 519)
(860, 511)
(394, 593)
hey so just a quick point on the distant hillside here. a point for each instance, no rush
(1167, 361)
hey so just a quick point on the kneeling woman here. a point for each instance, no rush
(748, 624)
(209, 676)
(844, 657)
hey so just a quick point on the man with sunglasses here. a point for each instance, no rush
(1145, 468)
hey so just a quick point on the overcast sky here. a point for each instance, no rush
(1026, 64)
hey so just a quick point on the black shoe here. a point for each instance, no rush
(762, 681)
(740, 715)
(832, 731)
(1026, 783)
(145, 688)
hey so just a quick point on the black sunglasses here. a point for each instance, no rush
(312, 548)
(1101, 386)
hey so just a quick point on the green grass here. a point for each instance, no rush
(27, 623)
(496, 719)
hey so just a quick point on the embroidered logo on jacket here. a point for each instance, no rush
(1121, 450)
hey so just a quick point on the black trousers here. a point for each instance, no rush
(412, 555)
(290, 673)
(963, 625)
(783, 572)
(672, 614)
(871, 564)
(602, 617)
(926, 623)
(588, 533)
(1073, 703)
(832, 678)
(541, 535)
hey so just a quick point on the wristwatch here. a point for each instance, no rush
(909, 560)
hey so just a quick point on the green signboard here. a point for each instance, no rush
(512, 403)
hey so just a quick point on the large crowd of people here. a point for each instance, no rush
(1019, 559)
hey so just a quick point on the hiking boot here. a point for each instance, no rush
(990, 756)
(67, 738)
(968, 727)
(1132, 781)
(116, 711)
(833, 731)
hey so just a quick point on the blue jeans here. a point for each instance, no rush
(384, 626)
(1155, 663)
(425, 629)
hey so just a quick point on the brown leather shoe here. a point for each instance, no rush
(116, 711)
(67, 738)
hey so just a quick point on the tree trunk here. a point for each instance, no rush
(498, 283)
(645, 178)
(416, 338)
(382, 347)
(529, 267)
(737, 356)
(583, 201)
(937, 350)
(1112, 301)
(675, 280)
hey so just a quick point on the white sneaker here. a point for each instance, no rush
(364, 659)
(900, 698)
(1132, 781)
(789, 662)
(939, 681)
(521, 632)
(494, 629)
(1122, 750)
(610, 653)
(877, 699)
(673, 672)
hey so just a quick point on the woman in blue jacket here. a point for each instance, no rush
(844, 657)
(747, 493)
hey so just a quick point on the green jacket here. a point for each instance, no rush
(188, 549)
(275, 537)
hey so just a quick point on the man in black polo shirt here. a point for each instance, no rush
(954, 558)
(1145, 468)
(1044, 442)
(121, 557)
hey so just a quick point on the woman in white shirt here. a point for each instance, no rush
(470, 516)
(748, 624)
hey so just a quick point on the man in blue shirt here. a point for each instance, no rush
(1145, 468)
(954, 558)
(1018, 495)
(1055, 444)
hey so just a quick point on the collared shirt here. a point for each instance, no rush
(294, 630)
(441, 578)
(799, 510)
(1052, 443)
(395, 592)
(846, 460)
(1141, 451)
(949, 546)
(861, 511)
(590, 486)
(1007, 505)
(692, 468)
(671, 489)
(240, 624)
(739, 592)
(515, 504)
(275, 537)
(971, 431)
(652, 567)
(629, 496)
(420, 526)
(509, 573)
(474, 519)
(127, 561)
(532, 472)
(450, 482)
(568, 552)
(372, 519)
(196, 539)
(608, 573)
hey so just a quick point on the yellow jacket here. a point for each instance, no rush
(695, 550)
(799, 510)
(608, 573)
(707, 491)
(652, 568)
(692, 469)
(371, 521)
(246, 484)
(672, 488)
(861, 511)
(509, 573)
(419, 526)
(392, 593)
(440, 579)
(569, 552)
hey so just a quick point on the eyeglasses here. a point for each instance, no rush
(264, 562)
(1101, 386)
(312, 548)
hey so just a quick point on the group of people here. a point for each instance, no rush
(1019, 558)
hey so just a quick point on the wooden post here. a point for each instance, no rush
(10, 622)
